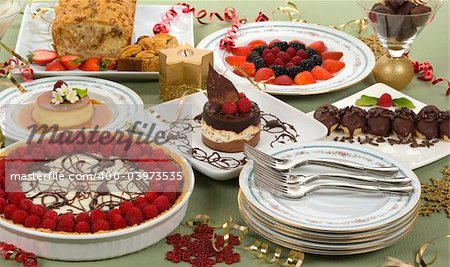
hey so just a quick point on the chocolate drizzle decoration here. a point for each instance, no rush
(220, 89)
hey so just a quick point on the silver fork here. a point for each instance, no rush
(287, 165)
(299, 179)
(299, 191)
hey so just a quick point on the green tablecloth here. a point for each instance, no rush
(218, 199)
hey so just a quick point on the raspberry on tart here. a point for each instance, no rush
(229, 119)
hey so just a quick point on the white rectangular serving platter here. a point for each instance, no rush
(35, 34)
(413, 157)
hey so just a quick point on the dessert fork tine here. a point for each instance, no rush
(287, 165)
(299, 191)
(299, 179)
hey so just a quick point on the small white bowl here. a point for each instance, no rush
(98, 246)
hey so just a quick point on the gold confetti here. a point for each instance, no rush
(372, 42)
(436, 195)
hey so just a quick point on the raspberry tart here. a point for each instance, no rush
(229, 118)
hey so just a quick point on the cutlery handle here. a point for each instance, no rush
(402, 190)
(363, 178)
(347, 165)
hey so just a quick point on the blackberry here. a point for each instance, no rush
(282, 45)
(297, 45)
(293, 71)
(259, 63)
(259, 49)
(253, 56)
(307, 64)
(278, 70)
(311, 52)
(317, 60)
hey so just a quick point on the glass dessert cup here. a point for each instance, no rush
(8, 11)
(397, 23)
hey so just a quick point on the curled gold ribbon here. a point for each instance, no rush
(7, 74)
(359, 24)
(291, 10)
(261, 250)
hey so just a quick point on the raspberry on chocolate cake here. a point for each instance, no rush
(403, 123)
(444, 126)
(353, 120)
(328, 115)
(379, 121)
(229, 119)
(427, 125)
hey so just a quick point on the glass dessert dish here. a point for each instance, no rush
(8, 11)
(397, 23)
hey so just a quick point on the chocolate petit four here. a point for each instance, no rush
(328, 115)
(427, 124)
(353, 120)
(403, 123)
(229, 118)
(444, 126)
(379, 121)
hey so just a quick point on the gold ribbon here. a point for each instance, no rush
(261, 250)
(7, 69)
(258, 85)
(420, 256)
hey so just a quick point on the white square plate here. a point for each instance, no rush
(33, 35)
(296, 126)
(412, 157)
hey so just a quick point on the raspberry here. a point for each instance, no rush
(265, 52)
(67, 216)
(284, 56)
(302, 54)
(113, 213)
(134, 216)
(242, 95)
(283, 80)
(15, 197)
(38, 210)
(229, 108)
(279, 62)
(385, 100)
(118, 222)
(82, 227)
(25, 204)
(264, 74)
(134, 153)
(119, 151)
(142, 205)
(82, 217)
(176, 184)
(32, 221)
(52, 151)
(139, 200)
(22, 151)
(9, 210)
(67, 148)
(159, 155)
(2, 205)
(146, 149)
(151, 196)
(244, 106)
(93, 147)
(48, 224)
(289, 64)
(125, 206)
(275, 50)
(171, 193)
(157, 188)
(97, 214)
(269, 59)
(37, 153)
(65, 224)
(100, 225)
(162, 203)
(150, 211)
(19, 216)
(296, 59)
(50, 214)
(107, 150)
(291, 52)
(2, 194)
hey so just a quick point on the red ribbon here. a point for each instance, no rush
(425, 73)
(204, 18)
(8, 251)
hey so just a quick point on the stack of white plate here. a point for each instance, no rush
(331, 221)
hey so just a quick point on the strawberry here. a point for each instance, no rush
(55, 65)
(304, 77)
(244, 106)
(248, 67)
(241, 50)
(91, 64)
(332, 65)
(385, 100)
(319, 46)
(229, 108)
(264, 74)
(42, 57)
(336, 55)
(109, 63)
(320, 73)
(256, 43)
(235, 61)
(70, 62)
(283, 80)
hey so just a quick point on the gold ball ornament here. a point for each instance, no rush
(395, 72)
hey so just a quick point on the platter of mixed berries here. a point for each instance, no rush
(292, 58)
